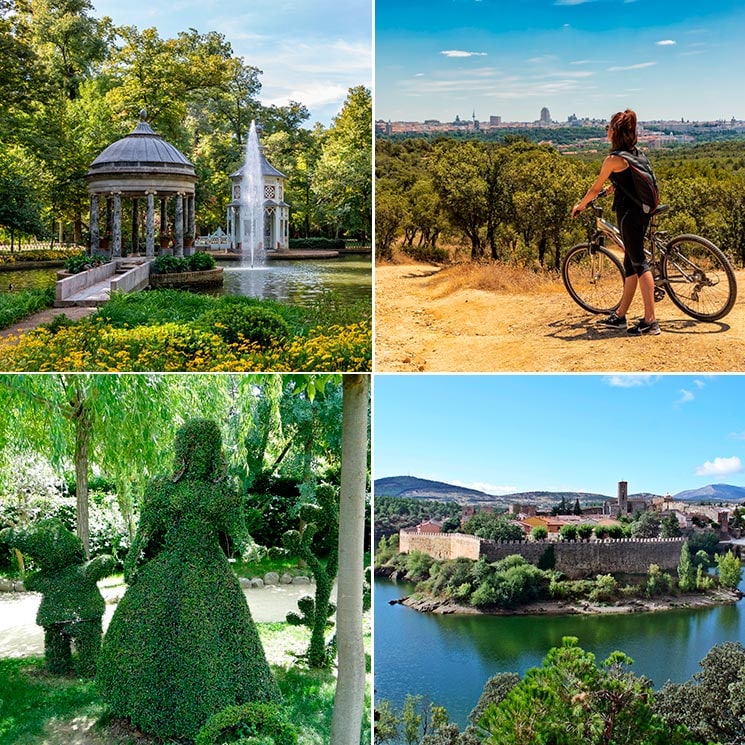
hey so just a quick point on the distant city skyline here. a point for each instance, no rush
(513, 433)
(308, 52)
(667, 60)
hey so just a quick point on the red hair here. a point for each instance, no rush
(622, 130)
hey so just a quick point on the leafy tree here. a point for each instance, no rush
(570, 699)
(670, 527)
(342, 181)
(20, 208)
(493, 527)
(539, 533)
(712, 703)
(647, 525)
(568, 532)
(584, 531)
(730, 570)
(686, 570)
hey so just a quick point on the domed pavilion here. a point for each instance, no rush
(141, 168)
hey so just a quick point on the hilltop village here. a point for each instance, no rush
(638, 552)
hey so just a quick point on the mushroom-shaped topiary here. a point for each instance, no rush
(71, 606)
(182, 645)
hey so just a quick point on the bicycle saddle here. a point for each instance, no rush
(660, 210)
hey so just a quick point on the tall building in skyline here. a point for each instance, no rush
(545, 116)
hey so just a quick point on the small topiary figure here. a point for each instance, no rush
(182, 645)
(71, 606)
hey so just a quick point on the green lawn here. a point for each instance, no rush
(41, 709)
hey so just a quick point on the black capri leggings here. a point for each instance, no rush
(633, 224)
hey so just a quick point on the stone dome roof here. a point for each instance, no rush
(142, 150)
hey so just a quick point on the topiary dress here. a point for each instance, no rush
(182, 644)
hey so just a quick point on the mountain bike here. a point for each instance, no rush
(691, 270)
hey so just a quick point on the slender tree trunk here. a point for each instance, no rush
(350, 687)
(81, 419)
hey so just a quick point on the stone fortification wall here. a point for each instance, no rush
(575, 559)
(441, 545)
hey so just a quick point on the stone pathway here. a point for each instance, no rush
(21, 637)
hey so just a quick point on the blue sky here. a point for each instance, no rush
(511, 433)
(666, 59)
(311, 52)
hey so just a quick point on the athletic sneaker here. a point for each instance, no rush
(643, 328)
(614, 321)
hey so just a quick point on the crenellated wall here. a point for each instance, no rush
(575, 559)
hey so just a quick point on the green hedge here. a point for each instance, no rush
(235, 322)
(334, 244)
(251, 723)
(182, 645)
(197, 262)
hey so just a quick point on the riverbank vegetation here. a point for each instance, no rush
(512, 201)
(169, 330)
(513, 582)
(571, 699)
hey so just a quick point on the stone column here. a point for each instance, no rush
(277, 237)
(94, 223)
(179, 249)
(135, 225)
(163, 216)
(150, 226)
(191, 229)
(116, 236)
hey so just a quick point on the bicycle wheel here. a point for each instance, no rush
(593, 277)
(698, 277)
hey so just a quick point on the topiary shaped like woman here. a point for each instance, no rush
(182, 645)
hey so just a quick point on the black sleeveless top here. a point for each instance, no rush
(623, 180)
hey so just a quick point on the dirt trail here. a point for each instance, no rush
(422, 325)
(74, 313)
(21, 637)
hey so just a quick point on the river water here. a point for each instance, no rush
(447, 659)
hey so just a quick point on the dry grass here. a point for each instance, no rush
(495, 277)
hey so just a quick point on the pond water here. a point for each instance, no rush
(28, 279)
(295, 282)
(447, 659)
(300, 282)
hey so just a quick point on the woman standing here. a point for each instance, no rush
(633, 218)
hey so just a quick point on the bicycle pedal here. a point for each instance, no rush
(659, 294)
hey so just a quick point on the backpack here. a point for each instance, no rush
(645, 184)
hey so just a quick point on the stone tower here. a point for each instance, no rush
(623, 498)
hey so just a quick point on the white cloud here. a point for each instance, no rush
(666, 43)
(685, 396)
(461, 53)
(572, 2)
(720, 467)
(630, 381)
(485, 487)
(639, 66)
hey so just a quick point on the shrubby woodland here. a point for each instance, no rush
(510, 201)
(72, 83)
